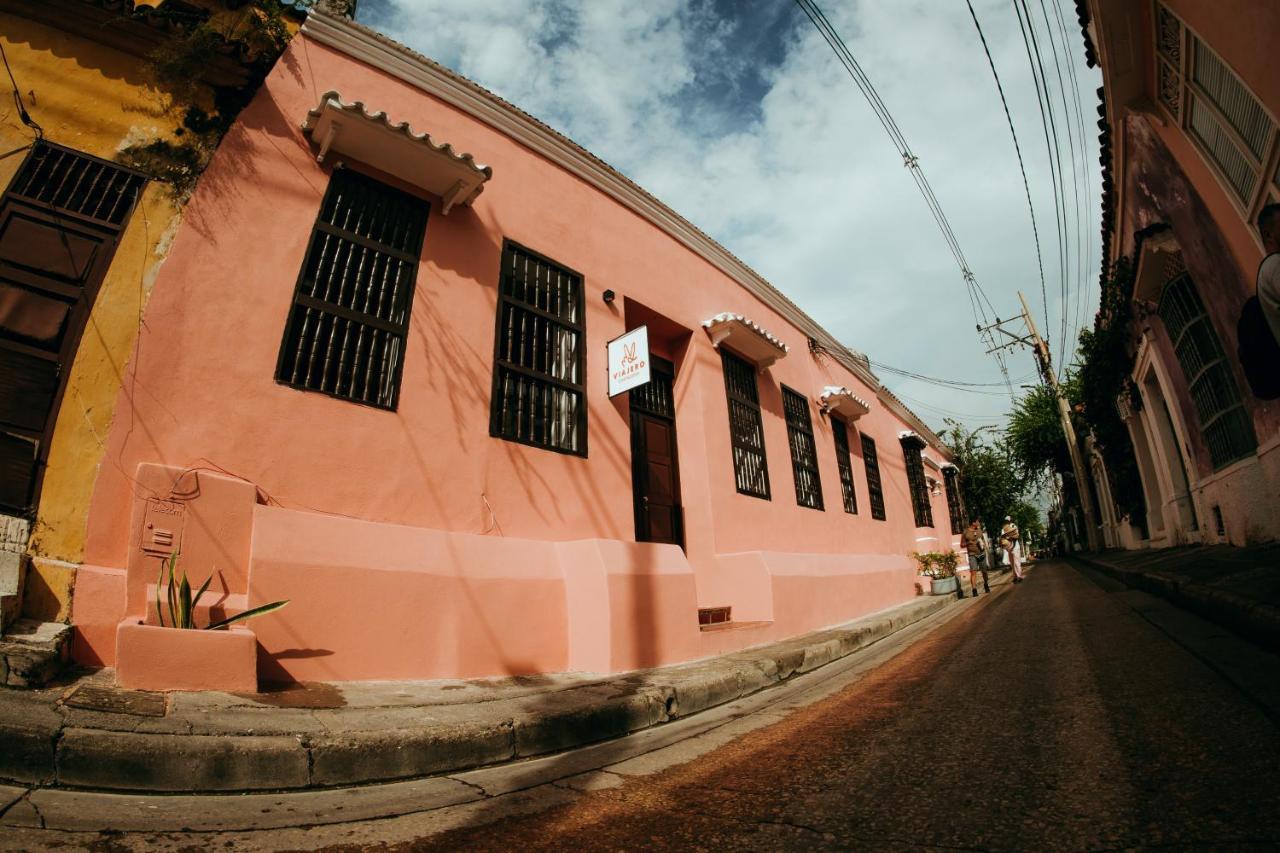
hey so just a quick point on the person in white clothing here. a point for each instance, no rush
(1009, 541)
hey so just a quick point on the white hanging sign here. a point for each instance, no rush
(629, 361)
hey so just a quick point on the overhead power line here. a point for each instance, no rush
(1053, 149)
(1084, 294)
(1022, 166)
(953, 384)
(977, 296)
(1080, 280)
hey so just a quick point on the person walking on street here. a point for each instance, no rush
(975, 544)
(1009, 541)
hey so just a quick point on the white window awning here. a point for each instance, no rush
(842, 401)
(335, 127)
(930, 462)
(912, 437)
(746, 337)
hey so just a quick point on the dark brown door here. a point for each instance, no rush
(655, 472)
(60, 221)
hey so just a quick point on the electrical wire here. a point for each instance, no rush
(977, 296)
(23, 115)
(1077, 100)
(1079, 279)
(1052, 148)
(957, 384)
(1077, 169)
(1022, 167)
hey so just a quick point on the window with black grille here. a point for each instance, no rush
(845, 465)
(804, 453)
(76, 183)
(1224, 420)
(746, 431)
(346, 331)
(911, 446)
(538, 354)
(875, 492)
(951, 482)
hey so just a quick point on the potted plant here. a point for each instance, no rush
(175, 653)
(940, 568)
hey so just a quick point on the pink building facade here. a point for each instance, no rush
(372, 379)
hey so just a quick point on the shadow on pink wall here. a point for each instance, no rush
(372, 601)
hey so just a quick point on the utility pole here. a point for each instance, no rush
(1041, 350)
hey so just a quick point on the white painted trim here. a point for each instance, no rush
(378, 51)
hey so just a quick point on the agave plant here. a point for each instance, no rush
(182, 603)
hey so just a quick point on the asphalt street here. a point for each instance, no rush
(1066, 713)
(1057, 717)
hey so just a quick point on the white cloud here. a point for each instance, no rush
(738, 115)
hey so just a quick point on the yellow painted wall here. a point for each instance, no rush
(97, 100)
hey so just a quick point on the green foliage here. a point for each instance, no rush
(174, 590)
(1105, 365)
(937, 564)
(181, 61)
(257, 37)
(259, 33)
(1034, 435)
(177, 163)
(990, 483)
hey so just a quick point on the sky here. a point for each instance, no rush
(739, 116)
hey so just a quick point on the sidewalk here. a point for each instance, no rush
(1238, 588)
(90, 734)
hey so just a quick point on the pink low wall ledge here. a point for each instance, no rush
(149, 657)
(378, 601)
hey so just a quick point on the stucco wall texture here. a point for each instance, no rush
(1166, 179)
(483, 556)
(94, 99)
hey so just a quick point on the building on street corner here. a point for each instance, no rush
(108, 95)
(1191, 154)
(373, 378)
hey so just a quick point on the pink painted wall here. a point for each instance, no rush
(362, 511)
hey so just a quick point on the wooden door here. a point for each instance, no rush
(60, 221)
(655, 470)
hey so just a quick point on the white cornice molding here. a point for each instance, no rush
(373, 48)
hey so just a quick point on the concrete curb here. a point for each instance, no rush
(1253, 619)
(301, 750)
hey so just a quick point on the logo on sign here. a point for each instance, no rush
(629, 361)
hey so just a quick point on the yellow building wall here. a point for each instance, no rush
(97, 100)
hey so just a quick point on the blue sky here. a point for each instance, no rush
(738, 115)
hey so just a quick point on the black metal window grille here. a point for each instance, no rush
(911, 447)
(875, 492)
(538, 368)
(655, 396)
(76, 183)
(746, 430)
(845, 465)
(951, 483)
(1224, 420)
(804, 452)
(346, 331)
